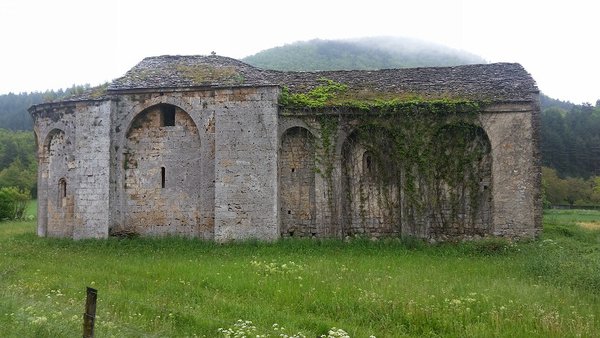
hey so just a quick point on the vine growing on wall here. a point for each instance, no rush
(430, 155)
(328, 127)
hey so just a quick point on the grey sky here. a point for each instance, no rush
(54, 44)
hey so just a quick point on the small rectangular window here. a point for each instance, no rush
(168, 116)
(162, 177)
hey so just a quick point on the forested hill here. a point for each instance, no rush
(13, 110)
(13, 107)
(364, 53)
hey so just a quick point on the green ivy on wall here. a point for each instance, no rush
(431, 149)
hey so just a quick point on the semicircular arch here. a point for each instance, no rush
(461, 188)
(297, 199)
(162, 173)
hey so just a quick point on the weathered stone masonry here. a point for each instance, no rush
(202, 146)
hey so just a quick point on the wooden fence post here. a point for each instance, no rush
(89, 317)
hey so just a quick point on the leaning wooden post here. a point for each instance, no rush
(90, 313)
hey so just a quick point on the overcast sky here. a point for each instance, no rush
(52, 44)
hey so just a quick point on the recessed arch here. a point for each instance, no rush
(53, 134)
(462, 185)
(162, 173)
(56, 203)
(371, 180)
(297, 183)
(135, 111)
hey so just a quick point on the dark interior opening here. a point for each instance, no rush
(162, 177)
(168, 115)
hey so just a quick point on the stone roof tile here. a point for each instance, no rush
(189, 71)
(490, 82)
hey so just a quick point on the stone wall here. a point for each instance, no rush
(219, 160)
(503, 201)
(73, 141)
(371, 201)
(246, 146)
(228, 164)
(516, 173)
(60, 185)
(92, 160)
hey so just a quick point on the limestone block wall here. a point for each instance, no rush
(73, 173)
(92, 164)
(516, 175)
(212, 174)
(246, 146)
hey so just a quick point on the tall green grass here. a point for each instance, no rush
(173, 287)
(31, 210)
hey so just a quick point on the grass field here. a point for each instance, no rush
(174, 287)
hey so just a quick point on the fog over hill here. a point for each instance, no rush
(360, 53)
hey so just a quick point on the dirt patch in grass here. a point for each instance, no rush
(593, 225)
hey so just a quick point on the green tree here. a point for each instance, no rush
(12, 203)
(18, 165)
(19, 176)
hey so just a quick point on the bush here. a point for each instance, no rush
(13, 203)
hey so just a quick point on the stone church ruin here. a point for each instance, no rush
(211, 147)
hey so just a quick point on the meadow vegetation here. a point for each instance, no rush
(174, 287)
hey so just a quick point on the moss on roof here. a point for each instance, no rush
(485, 82)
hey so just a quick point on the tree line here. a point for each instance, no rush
(13, 107)
(570, 147)
(570, 140)
(572, 191)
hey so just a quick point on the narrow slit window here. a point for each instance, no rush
(367, 163)
(162, 177)
(62, 192)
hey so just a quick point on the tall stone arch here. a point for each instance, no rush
(162, 176)
(371, 184)
(462, 188)
(56, 193)
(297, 169)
